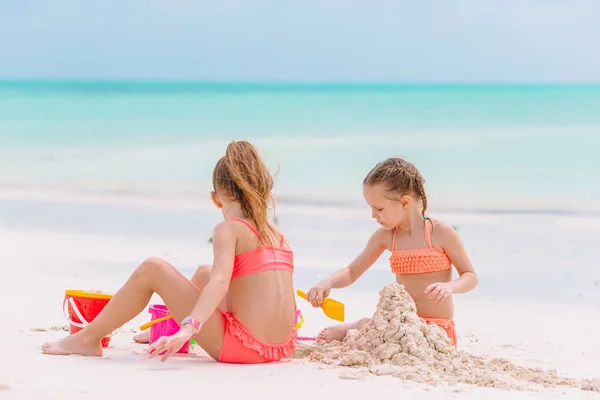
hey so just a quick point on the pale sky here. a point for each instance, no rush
(307, 40)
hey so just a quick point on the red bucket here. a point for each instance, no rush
(81, 307)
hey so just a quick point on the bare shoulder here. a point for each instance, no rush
(441, 226)
(225, 229)
(381, 238)
(442, 233)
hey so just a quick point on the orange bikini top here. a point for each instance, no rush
(262, 258)
(418, 261)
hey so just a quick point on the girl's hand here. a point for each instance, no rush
(439, 291)
(169, 345)
(318, 293)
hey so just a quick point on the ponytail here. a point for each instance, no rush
(243, 174)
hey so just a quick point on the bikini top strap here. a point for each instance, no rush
(394, 239)
(427, 235)
(282, 241)
(250, 226)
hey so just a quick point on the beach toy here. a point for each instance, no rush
(163, 324)
(149, 324)
(155, 321)
(299, 321)
(332, 308)
(81, 307)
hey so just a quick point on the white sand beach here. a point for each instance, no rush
(43, 259)
(114, 116)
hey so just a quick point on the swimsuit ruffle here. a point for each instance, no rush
(418, 262)
(270, 351)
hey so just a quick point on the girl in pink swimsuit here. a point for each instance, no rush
(242, 308)
(422, 249)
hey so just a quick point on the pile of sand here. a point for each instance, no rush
(397, 342)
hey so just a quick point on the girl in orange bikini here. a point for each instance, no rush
(423, 249)
(243, 309)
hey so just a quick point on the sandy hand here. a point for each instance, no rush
(166, 346)
(318, 293)
(439, 291)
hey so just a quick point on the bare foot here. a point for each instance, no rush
(334, 332)
(142, 337)
(73, 344)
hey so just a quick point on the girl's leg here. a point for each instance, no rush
(152, 276)
(199, 279)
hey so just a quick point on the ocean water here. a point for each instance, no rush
(105, 174)
(480, 148)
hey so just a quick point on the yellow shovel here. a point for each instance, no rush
(332, 308)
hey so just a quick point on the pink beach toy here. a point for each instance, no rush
(298, 322)
(165, 328)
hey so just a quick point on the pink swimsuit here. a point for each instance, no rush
(239, 345)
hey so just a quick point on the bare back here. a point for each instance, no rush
(261, 291)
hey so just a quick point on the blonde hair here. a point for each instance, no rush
(242, 175)
(399, 176)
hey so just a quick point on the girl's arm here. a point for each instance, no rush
(453, 246)
(224, 241)
(467, 280)
(348, 275)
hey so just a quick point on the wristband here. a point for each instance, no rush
(191, 321)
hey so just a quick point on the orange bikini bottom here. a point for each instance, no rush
(445, 324)
(241, 347)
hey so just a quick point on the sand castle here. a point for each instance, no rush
(397, 342)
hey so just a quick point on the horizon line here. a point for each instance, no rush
(299, 82)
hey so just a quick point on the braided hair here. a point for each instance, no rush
(399, 176)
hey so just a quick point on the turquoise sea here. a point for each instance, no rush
(104, 174)
(480, 147)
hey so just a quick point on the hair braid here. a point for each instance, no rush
(421, 192)
(401, 177)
